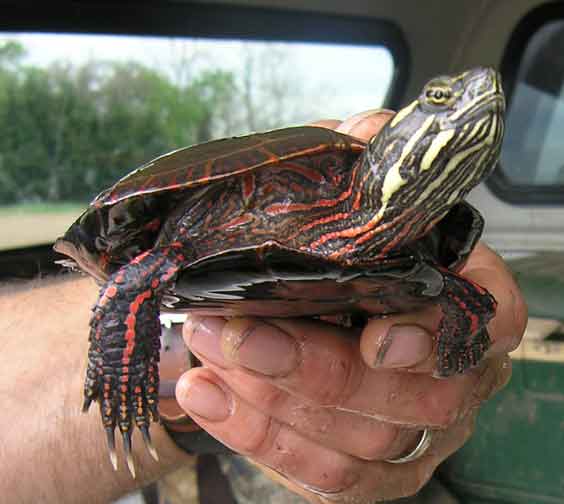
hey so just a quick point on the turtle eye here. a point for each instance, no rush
(438, 94)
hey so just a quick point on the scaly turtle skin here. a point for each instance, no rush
(299, 221)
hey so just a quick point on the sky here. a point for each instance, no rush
(356, 78)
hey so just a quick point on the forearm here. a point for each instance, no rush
(49, 450)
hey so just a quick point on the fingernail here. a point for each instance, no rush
(347, 125)
(403, 346)
(203, 398)
(260, 347)
(203, 337)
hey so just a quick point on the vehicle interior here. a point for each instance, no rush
(91, 89)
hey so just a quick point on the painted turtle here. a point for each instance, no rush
(293, 222)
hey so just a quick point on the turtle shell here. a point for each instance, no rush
(130, 217)
(216, 160)
(127, 218)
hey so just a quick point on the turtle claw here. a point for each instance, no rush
(126, 435)
(112, 447)
(130, 465)
(149, 443)
(86, 404)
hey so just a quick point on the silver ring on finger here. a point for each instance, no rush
(418, 451)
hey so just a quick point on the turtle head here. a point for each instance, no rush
(436, 149)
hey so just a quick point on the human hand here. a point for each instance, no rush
(304, 399)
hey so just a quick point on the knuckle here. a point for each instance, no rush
(271, 399)
(334, 478)
(342, 385)
(291, 456)
(261, 438)
(378, 446)
(443, 409)
(317, 423)
(446, 418)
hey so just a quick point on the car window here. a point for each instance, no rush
(533, 151)
(79, 111)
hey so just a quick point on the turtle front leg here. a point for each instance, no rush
(122, 373)
(463, 336)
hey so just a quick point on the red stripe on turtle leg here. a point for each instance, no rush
(130, 322)
(463, 336)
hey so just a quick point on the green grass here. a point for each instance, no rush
(42, 208)
(35, 223)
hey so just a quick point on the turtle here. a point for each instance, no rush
(301, 221)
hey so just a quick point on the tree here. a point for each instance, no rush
(273, 93)
(69, 131)
(11, 53)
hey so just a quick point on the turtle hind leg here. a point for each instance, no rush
(122, 374)
(462, 336)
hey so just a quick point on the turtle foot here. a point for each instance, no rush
(122, 374)
(463, 336)
(459, 356)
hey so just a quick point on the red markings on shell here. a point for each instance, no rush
(248, 186)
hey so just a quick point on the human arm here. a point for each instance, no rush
(49, 450)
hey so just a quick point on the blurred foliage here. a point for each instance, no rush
(68, 131)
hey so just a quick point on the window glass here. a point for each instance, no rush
(533, 149)
(79, 111)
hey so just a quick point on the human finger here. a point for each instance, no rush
(321, 363)
(389, 483)
(408, 341)
(218, 410)
(326, 123)
(336, 476)
(358, 435)
(365, 124)
(362, 125)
